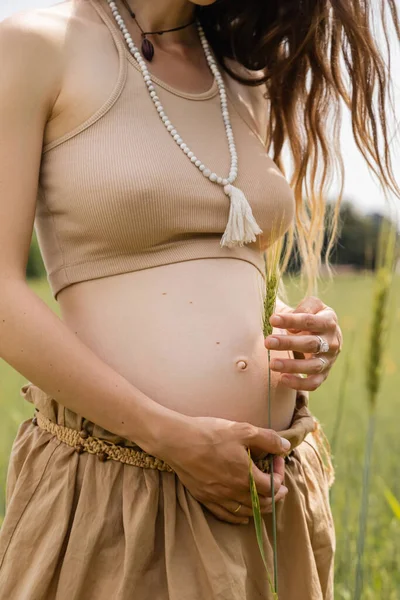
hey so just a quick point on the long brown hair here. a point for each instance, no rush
(314, 55)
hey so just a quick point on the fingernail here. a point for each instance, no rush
(244, 522)
(273, 342)
(275, 320)
(284, 489)
(277, 364)
(286, 445)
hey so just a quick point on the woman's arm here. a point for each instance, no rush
(33, 340)
(280, 306)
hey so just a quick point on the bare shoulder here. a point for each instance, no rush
(40, 27)
(32, 47)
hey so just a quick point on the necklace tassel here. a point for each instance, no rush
(242, 227)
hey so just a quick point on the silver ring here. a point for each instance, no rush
(323, 345)
(324, 363)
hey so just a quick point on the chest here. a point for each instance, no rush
(125, 173)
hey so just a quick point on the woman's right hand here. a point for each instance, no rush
(209, 455)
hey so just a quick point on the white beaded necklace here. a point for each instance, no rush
(242, 226)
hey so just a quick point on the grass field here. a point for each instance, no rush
(350, 296)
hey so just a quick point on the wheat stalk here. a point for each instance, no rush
(271, 261)
(272, 278)
(376, 349)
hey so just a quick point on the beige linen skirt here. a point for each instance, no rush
(82, 524)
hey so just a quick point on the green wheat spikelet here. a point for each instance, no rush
(377, 335)
(376, 351)
(272, 283)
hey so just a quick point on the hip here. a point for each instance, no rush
(81, 513)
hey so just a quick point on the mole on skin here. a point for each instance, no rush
(241, 364)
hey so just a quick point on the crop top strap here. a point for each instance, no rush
(116, 90)
(112, 26)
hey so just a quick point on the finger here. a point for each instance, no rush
(307, 366)
(267, 506)
(279, 467)
(264, 440)
(283, 491)
(263, 480)
(310, 383)
(244, 511)
(339, 338)
(263, 485)
(279, 475)
(322, 322)
(223, 514)
(308, 344)
(310, 304)
(264, 491)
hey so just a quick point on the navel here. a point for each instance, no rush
(241, 364)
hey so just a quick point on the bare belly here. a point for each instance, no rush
(182, 334)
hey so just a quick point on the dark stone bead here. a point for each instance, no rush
(147, 49)
(84, 434)
(102, 456)
(79, 449)
(34, 421)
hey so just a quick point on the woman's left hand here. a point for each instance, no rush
(310, 318)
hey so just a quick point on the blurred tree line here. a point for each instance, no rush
(357, 239)
(356, 243)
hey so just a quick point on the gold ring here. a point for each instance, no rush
(238, 508)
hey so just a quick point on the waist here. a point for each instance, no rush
(85, 436)
(188, 335)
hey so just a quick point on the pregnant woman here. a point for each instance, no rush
(136, 136)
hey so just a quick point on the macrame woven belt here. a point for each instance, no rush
(82, 441)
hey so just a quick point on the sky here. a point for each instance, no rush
(360, 186)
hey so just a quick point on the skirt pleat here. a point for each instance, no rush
(77, 528)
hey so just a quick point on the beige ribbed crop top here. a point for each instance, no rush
(117, 194)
